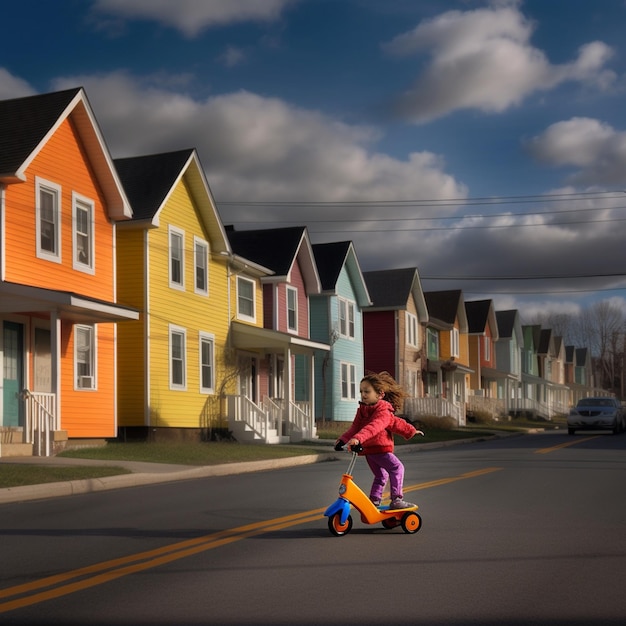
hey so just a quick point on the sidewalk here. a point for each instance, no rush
(152, 473)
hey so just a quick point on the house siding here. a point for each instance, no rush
(379, 338)
(193, 313)
(131, 369)
(61, 161)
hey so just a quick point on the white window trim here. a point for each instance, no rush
(210, 338)
(172, 230)
(40, 184)
(78, 386)
(178, 330)
(294, 291)
(351, 381)
(412, 330)
(349, 309)
(89, 267)
(240, 315)
(454, 342)
(200, 243)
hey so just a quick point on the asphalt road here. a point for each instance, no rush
(525, 530)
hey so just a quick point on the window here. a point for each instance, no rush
(207, 363)
(432, 339)
(83, 233)
(84, 356)
(245, 299)
(346, 318)
(201, 266)
(292, 309)
(412, 333)
(177, 358)
(454, 342)
(177, 258)
(348, 381)
(487, 348)
(48, 210)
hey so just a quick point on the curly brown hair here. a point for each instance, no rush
(384, 382)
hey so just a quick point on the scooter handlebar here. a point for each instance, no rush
(339, 446)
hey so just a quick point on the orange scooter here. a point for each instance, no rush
(350, 494)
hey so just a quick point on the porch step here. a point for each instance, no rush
(243, 433)
(16, 449)
(11, 434)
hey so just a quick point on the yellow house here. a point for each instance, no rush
(174, 263)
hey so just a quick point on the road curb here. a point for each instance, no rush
(121, 481)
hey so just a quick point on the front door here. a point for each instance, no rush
(13, 374)
(248, 377)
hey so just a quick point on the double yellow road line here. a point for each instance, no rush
(65, 583)
(83, 578)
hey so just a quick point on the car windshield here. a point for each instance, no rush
(596, 402)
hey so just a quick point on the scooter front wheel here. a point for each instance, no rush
(336, 527)
(411, 522)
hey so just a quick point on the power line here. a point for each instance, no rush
(485, 200)
(439, 217)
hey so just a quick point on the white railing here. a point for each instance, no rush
(40, 419)
(302, 423)
(242, 409)
(494, 407)
(435, 407)
(275, 413)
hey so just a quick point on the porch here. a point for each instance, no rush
(40, 434)
(271, 422)
(414, 408)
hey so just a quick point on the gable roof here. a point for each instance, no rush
(26, 124)
(390, 289)
(506, 320)
(546, 344)
(446, 306)
(330, 258)
(278, 249)
(149, 180)
(480, 315)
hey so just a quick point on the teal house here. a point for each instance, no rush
(336, 319)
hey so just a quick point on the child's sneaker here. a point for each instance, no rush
(399, 503)
(375, 501)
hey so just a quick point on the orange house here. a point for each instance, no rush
(60, 198)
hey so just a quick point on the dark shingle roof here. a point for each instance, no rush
(506, 322)
(443, 305)
(330, 258)
(477, 313)
(390, 288)
(148, 179)
(274, 248)
(544, 340)
(24, 122)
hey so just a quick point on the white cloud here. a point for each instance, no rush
(483, 59)
(594, 147)
(193, 16)
(256, 147)
(12, 86)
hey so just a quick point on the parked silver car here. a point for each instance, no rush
(596, 414)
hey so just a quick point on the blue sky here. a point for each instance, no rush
(483, 142)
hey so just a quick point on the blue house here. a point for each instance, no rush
(336, 319)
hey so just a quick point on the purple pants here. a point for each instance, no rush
(386, 466)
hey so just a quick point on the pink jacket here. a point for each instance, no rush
(374, 426)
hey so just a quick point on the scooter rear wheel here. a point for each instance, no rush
(411, 522)
(336, 527)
